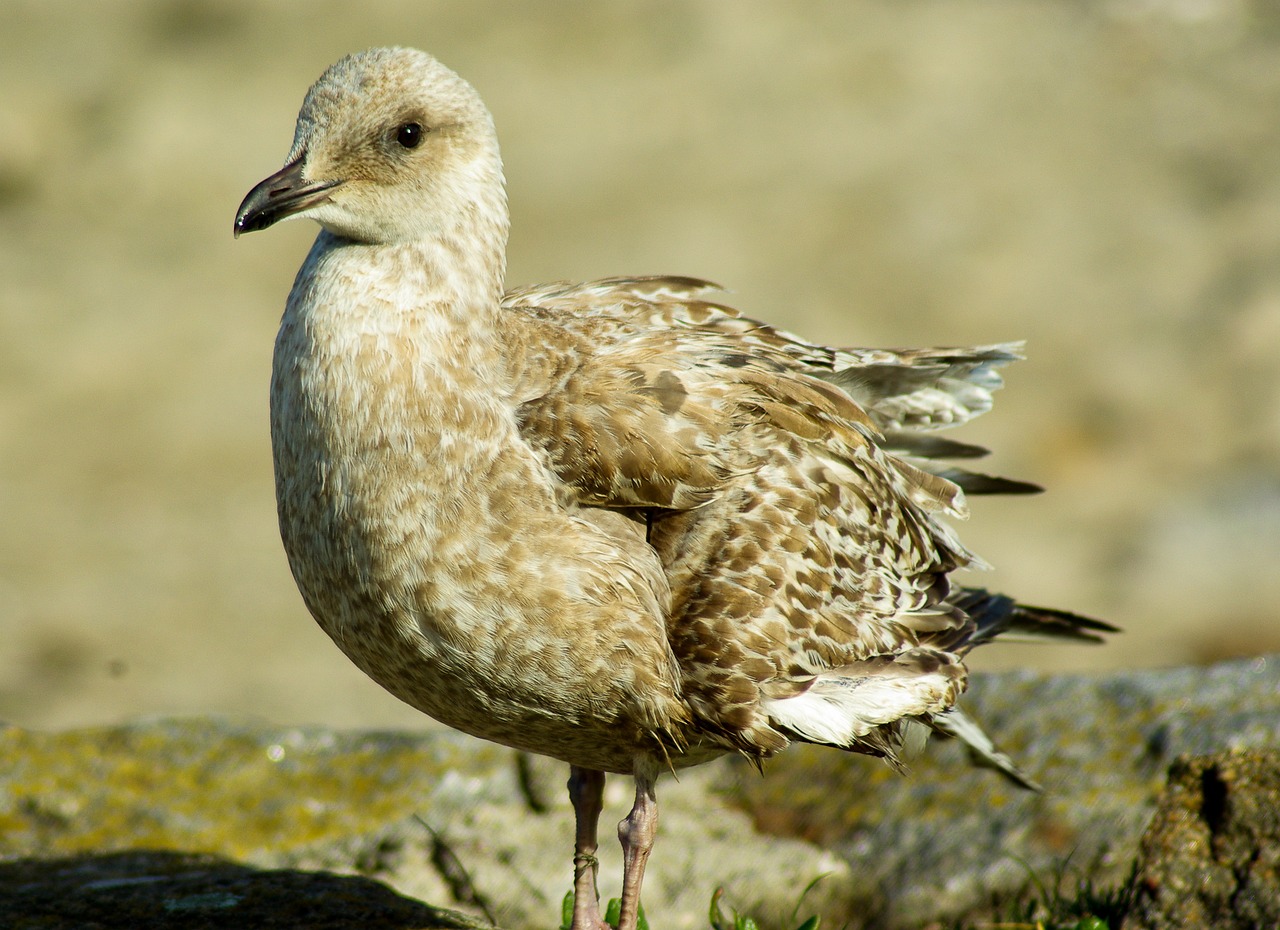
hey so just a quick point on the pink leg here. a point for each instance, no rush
(586, 791)
(637, 833)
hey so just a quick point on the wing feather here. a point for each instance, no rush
(804, 550)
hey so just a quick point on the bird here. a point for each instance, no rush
(616, 522)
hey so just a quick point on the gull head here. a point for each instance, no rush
(391, 146)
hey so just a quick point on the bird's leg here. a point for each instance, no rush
(586, 791)
(637, 833)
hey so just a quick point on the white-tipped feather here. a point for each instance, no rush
(844, 705)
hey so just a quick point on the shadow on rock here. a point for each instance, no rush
(162, 890)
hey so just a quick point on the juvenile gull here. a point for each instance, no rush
(615, 523)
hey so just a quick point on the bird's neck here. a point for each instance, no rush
(385, 356)
(448, 285)
(464, 268)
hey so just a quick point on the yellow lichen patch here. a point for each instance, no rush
(205, 786)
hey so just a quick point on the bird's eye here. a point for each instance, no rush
(409, 135)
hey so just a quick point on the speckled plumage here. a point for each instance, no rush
(615, 522)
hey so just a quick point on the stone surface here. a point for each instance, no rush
(453, 821)
(1211, 856)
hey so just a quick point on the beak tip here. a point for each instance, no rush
(270, 200)
(285, 193)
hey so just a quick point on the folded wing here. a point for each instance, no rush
(791, 491)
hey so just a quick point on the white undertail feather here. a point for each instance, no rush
(837, 711)
(844, 705)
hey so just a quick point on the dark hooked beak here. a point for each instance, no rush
(283, 194)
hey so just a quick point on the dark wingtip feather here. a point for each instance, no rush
(928, 446)
(998, 615)
(977, 483)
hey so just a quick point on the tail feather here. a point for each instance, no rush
(957, 724)
(996, 615)
(877, 706)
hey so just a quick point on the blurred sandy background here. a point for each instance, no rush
(1101, 179)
